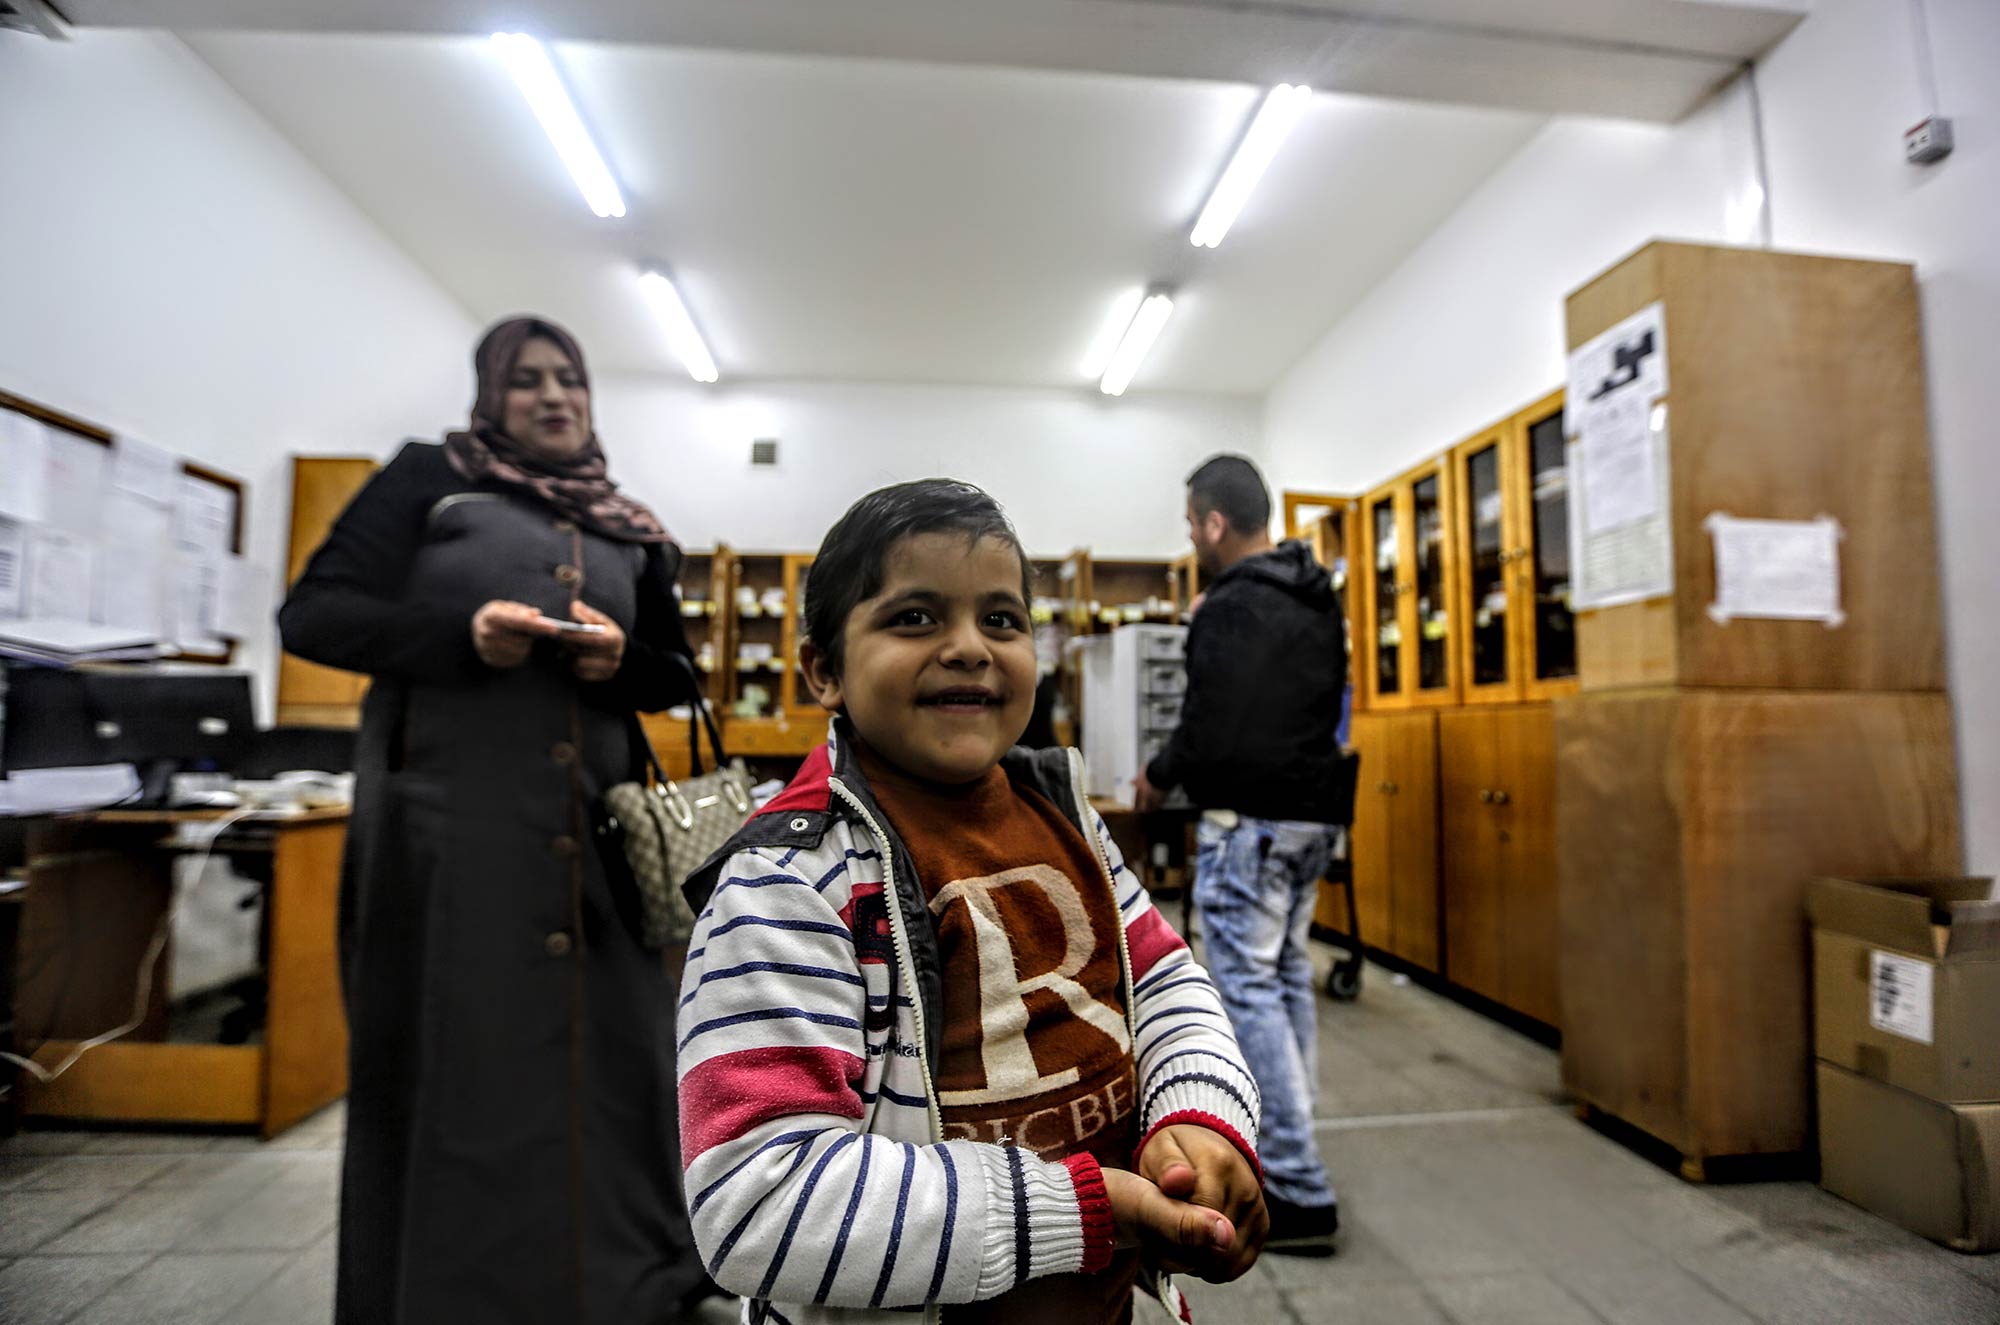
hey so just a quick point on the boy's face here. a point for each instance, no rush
(939, 677)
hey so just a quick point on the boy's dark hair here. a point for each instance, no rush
(1232, 485)
(848, 568)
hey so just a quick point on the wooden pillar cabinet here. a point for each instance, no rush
(1711, 765)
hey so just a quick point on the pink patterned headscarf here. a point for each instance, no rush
(577, 484)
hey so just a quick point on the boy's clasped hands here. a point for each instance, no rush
(1192, 1206)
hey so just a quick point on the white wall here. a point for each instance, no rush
(1071, 467)
(174, 268)
(1470, 326)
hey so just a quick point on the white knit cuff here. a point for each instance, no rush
(1037, 1226)
(1209, 1084)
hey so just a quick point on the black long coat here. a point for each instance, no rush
(511, 1148)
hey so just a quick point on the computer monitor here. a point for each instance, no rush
(163, 718)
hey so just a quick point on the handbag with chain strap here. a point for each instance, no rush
(661, 831)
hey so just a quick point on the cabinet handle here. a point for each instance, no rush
(1485, 797)
(1501, 798)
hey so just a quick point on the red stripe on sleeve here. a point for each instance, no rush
(1150, 938)
(729, 1094)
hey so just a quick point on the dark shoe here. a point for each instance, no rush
(1300, 1230)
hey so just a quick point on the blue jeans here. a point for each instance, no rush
(1254, 887)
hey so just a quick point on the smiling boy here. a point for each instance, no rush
(936, 1046)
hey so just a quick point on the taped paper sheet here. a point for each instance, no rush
(13, 568)
(1617, 451)
(146, 471)
(24, 467)
(1620, 533)
(1788, 569)
(78, 475)
(134, 544)
(61, 571)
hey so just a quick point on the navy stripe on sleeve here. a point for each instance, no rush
(896, 1229)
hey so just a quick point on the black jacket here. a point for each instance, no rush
(1266, 662)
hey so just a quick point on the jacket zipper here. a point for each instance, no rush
(1084, 813)
(1104, 867)
(932, 1311)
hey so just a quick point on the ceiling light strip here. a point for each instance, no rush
(528, 61)
(1116, 319)
(1139, 336)
(1281, 109)
(682, 337)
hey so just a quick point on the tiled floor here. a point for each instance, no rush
(1469, 1194)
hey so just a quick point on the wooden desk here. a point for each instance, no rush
(112, 873)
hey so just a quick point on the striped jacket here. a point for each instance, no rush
(817, 1178)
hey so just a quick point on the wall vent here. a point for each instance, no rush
(764, 451)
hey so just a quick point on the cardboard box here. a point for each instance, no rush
(1906, 983)
(1932, 1168)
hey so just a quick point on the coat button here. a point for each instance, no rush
(556, 944)
(565, 526)
(568, 574)
(564, 845)
(563, 752)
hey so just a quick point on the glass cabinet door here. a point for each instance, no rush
(1550, 629)
(1484, 528)
(1386, 629)
(1432, 622)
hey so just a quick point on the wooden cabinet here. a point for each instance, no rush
(1712, 764)
(310, 695)
(1394, 843)
(708, 595)
(1513, 635)
(1407, 556)
(1496, 790)
(1795, 390)
(1688, 824)
(765, 707)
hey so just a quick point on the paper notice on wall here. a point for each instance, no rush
(1899, 996)
(194, 604)
(1629, 359)
(24, 467)
(13, 568)
(244, 606)
(61, 573)
(136, 551)
(151, 473)
(77, 475)
(1621, 539)
(1616, 449)
(1789, 569)
(204, 515)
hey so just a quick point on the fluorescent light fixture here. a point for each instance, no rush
(528, 60)
(1282, 107)
(1138, 339)
(682, 338)
(1116, 320)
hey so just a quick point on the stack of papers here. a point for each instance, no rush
(34, 791)
(61, 643)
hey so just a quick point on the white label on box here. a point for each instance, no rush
(1899, 996)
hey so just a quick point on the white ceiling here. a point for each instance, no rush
(941, 190)
(1637, 59)
(871, 220)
